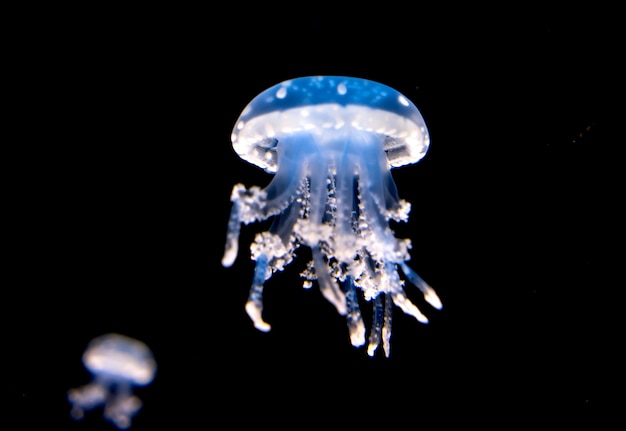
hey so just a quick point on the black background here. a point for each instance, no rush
(119, 192)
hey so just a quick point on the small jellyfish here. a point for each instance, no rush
(331, 142)
(118, 363)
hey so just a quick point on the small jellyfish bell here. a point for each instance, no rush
(331, 142)
(118, 363)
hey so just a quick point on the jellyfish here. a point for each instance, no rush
(330, 142)
(118, 363)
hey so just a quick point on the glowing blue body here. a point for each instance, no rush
(331, 142)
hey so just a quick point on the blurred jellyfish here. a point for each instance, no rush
(331, 142)
(118, 363)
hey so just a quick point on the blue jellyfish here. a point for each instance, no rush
(118, 363)
(331, 142)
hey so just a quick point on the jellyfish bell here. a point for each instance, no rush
(327, 107)
(119, 357)
(331, 142)
(117, 363)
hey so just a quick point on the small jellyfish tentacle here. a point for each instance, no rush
(232, 236)
(383, 315)
(284, 222)
(391, 190)
(377, 324)
(120, 408)
(347, 238)
(329, 288)
(377, 183)
(386, 251)
(373, 210)
(356, 327)
(86, 398)
(320, 223)
(380, 242)
(396, 209)
(274, 250)
(245, 209)
(288, 181)
(282, 190)
(254, 306)
(253, 204)
(399, 296)
(344, 185)
(429, 293)
(387, 321)
(272, 253)
(318, 192)
(395, 251)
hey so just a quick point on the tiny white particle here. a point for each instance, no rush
(281, 93)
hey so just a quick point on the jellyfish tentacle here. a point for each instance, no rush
(254, 306)
(121, 408)
(289, 181)
(318, 194)
(399, 296)
(232, 235)
(86, 398)
(284, 222)
(246, 204)
(347, 242)
(405, 304)
(344, 185)
(356, 327)
(429, 293)
(327, 285)
(378, 184)
(387, 320)
(387, 249)
(381, 325)
(255, 204)
(377, 324)
(282, 190)
(320, 223)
